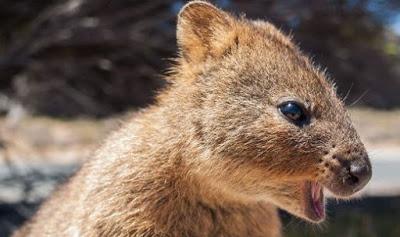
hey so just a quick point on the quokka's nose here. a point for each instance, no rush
(359, 173)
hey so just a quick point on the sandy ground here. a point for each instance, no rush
(43, 139)
(378, 129)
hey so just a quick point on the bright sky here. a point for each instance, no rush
(396, 25)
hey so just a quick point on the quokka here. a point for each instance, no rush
(247, 124)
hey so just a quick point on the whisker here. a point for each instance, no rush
(359, 98)
(348, 92)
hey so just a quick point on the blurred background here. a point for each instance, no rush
(71, 70)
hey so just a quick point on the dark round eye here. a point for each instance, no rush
(294, 112)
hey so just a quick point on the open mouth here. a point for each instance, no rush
(315, 208)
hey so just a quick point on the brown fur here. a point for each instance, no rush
(212, 157)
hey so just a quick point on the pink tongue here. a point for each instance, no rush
(316, 199)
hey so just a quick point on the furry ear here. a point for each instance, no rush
(202, 31)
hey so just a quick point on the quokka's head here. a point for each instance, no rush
(270, 123)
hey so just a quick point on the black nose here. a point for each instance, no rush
(358, 175)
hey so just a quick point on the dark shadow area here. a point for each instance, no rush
(13, 215)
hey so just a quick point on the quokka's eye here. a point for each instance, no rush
(294, 113)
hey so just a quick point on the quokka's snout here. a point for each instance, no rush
(349, 171)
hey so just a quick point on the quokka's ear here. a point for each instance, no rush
(202, 31)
